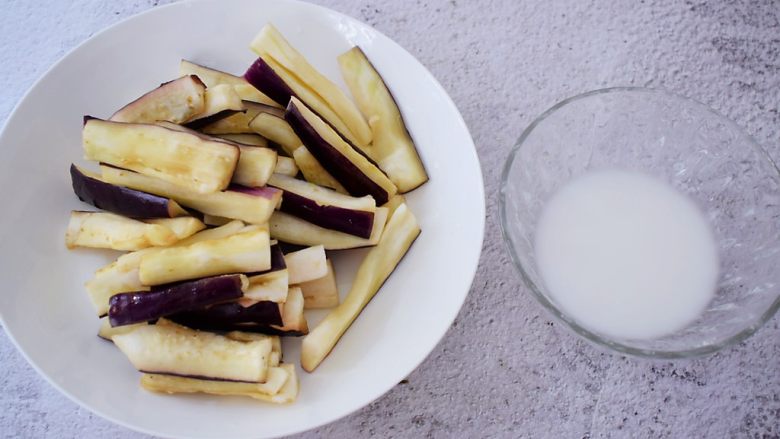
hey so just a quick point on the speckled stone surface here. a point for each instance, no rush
(505, 369)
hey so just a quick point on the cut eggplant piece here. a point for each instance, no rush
(313, 171)
(304, 93)
(280, 388)
(183, 227)
(180, 351)
(272, 47)
(106, 331)
(354, 171)
(322, 292)
(325, 207)
(143, 306)
(194, 162)
(276, 343)
(293, 319)
(255, 166)
(251, 206)
(108, 230)
(237, 123)
(379, 263)
(118, 277)
(121, 276)
(221, 101)
(392, 204)
(276, 129)
(269, 287)
(275, 358)
(277, 257)
(232, 316)
(293, 230)
(323, 196)
(223, 231)
(212, 77)
(286, 166)
(212, 220)
(245, 139)
(307, 264)
(392, 147)
(264, 78)
(176, 101)
(240, 253)
(121, 200)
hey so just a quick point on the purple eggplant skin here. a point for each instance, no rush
(355, 222)
(277, 261)
(121, 200)
(227, 316)
(202, 122)
(263, 78)
(343, 170)
(142, 306)
(265, 191)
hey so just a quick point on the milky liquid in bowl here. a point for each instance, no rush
(626, 255)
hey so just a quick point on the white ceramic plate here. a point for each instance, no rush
(46, 311)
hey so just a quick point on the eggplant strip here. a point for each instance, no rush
(379, 263)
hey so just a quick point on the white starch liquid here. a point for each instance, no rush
(626, 255)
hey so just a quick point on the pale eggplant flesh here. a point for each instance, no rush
(142, 306)
(201, 164)
(238, 122)
(179, 351)
(121, 200)
(313, 172)
(277, 261)
(175, 101)
(183, 227)
(293, 319)
(322, 292)
(286, 166)
(273, 390)
(116, 232)
(221, 101)
(306, 264)
(240, 253)
(277, 130)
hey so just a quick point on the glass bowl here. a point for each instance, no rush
(693, 148)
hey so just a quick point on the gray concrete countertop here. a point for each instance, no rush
(505, 369)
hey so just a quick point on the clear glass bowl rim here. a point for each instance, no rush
(560, 315)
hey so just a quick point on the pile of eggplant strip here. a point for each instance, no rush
(228, 194)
